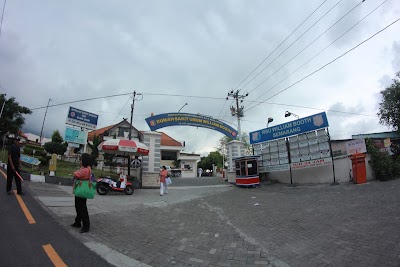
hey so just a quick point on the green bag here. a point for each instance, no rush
(85, 189)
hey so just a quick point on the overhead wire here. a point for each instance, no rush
(307, 46)
(287, 37)
(315, 23)
(327, 64)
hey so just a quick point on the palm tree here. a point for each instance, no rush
(93, 147)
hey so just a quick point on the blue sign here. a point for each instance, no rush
(30, 160)
(296, 127)
(186, 119)
(82, 118)
(75, 136)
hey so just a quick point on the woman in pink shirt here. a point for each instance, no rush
(163, 174)
(82, 215)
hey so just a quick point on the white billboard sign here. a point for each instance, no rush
(356, 146)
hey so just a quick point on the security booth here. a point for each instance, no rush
(359, 168)
(247, 171)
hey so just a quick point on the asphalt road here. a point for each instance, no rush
(25, 244)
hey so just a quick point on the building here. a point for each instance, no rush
(164, 150)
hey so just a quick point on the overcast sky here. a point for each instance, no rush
(199, 50)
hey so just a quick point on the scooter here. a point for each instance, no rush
(105, 185)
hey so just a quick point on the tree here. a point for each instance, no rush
(223, 141)
(212, 158)
(57, 144)
(93, 147)
(12, 118)
(389, 108)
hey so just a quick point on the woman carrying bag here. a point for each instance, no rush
(82, 182)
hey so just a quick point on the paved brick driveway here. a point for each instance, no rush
(345, 225)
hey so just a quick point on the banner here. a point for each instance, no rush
(311, 163)
(356, 146)
(75, 136)
(277, 168)
(82, 118)
(186, 119)
(296, 127)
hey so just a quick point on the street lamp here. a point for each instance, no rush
(288, 113)
(182, 107)
(270, 120)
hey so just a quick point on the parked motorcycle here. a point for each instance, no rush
(105, 185)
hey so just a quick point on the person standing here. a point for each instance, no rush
(200, 171)
(82, 215)
(163, 184)
(14, 166)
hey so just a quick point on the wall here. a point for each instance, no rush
(152, 162)
(149, 180)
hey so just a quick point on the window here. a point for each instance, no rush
(121, 131)
(168, 155)
(187, 167)
(252, 167)
(243, 168)
(237, 165)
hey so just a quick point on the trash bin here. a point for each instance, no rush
(359, 168)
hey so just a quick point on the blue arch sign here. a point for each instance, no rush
(307, 124)
(186, 119)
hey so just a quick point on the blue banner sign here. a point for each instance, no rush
(186, 119)
(75, 136)
(296, 127)
(29, 160)
(82, 118)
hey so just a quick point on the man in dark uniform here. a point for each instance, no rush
(13, 166)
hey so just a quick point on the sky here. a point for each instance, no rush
(195, 52)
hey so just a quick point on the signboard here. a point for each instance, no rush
(277, 168)
(82, 118)
(311, 163)
(296, 127)
(29, 160)
(356, 146)
(186, 119)
(75, 136)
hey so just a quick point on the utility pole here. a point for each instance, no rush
(131, 126)
(238, 111)
(41, 132)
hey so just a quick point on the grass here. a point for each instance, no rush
(64, 168)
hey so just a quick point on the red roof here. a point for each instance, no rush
(167, 140)
(99, 132)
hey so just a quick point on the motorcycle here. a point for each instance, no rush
(105, 185)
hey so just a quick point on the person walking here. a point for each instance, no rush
(14, 166)
(82, 215)
(163, 184)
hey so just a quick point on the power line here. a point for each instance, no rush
(330, 110)
(287, 37)
(351, 10)
(312, 73)
(293, 42)
(101, 97)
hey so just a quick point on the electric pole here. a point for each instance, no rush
(131, 126)
(41, 132)
(238, 111)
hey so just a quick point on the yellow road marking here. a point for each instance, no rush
(27, 213)
(52, 254)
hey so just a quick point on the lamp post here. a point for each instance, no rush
(270, 119)
(288, 113)
(182, 107)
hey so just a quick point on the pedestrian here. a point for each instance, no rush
(163, 184)
(14, 166)
(199, 171)
(82, 215)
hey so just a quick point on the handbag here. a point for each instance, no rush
(168, 181)
(85, 189)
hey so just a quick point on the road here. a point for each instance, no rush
(31, 237)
